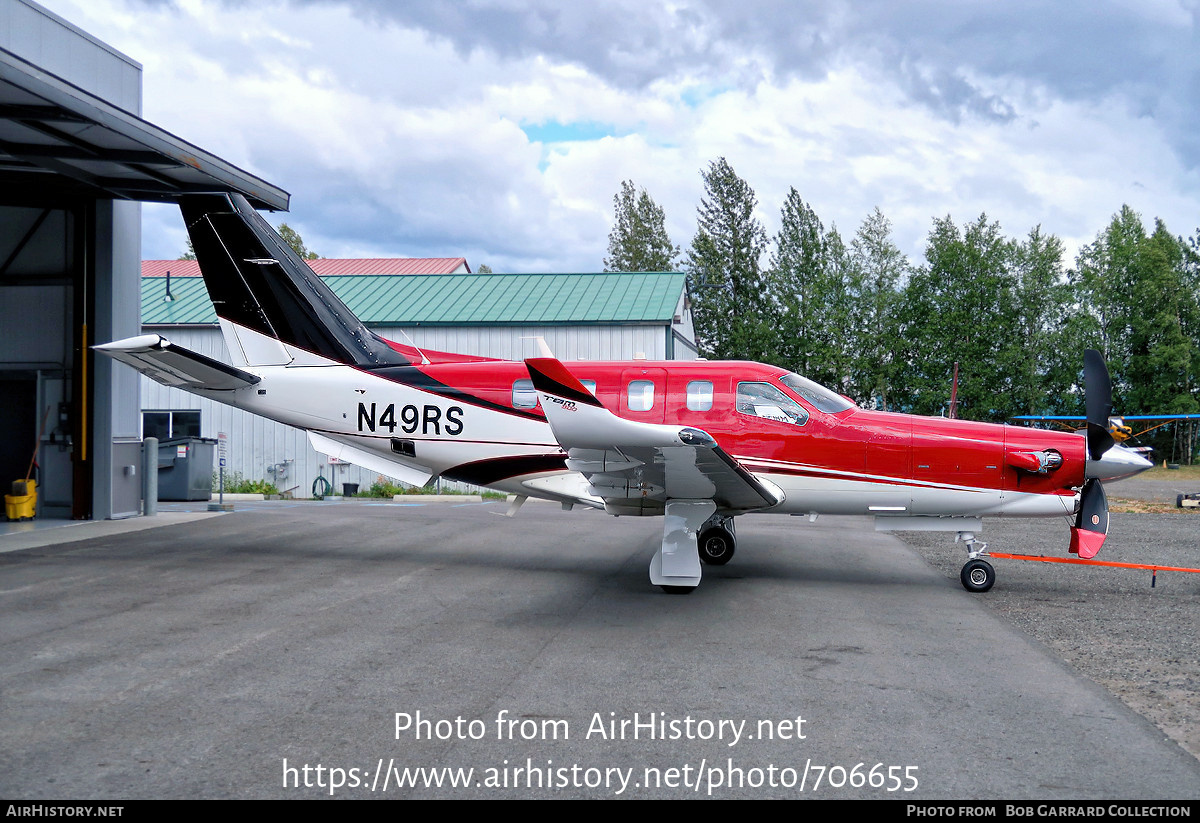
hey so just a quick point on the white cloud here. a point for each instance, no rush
(397, 128)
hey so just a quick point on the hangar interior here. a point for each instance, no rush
(76, 161)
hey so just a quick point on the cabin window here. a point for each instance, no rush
(590, 385)
(641, 395)
(700, 395)
(523, 395)
(764, 400)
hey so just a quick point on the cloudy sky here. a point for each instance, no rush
(500, 130)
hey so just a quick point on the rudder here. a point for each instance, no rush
(269, 299)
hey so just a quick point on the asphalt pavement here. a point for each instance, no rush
(356, 650)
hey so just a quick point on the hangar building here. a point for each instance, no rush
(609, 316)
(76, 161)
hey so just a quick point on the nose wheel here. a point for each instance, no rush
(977, 576)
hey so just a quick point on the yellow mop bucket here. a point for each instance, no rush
(21, 504)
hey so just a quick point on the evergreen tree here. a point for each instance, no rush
(1104, 278)
(293, 239)
(286, 233)
(639, 240)
(878, 269)
(1138, 297)
(809, 281)
(1162, 357)
(1046, 356)
(731, 304)
(959, 307)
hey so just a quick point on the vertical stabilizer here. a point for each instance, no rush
(274, 309)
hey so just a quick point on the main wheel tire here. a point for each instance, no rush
(978, 576)
(716, 546)
(678, 589)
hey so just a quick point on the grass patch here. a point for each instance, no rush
(1122, 506)
(384, 488)
(236, 484)
(1182, 473)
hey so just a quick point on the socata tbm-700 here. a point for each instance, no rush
(696, 442)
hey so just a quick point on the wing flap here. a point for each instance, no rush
(164, 362)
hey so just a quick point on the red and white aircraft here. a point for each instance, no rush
(697, 442)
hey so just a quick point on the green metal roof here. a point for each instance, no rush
(458, 299)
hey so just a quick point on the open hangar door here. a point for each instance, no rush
(76, 161)
(39, 267)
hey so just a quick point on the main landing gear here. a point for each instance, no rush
(692, 532)
(716, 542)
(977, 575)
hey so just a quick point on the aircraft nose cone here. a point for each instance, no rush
(1117, 463)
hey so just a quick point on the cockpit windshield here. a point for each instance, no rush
(816, 394)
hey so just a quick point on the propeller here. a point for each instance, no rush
(1098, 399)
(1091, 522)
(1106, 459)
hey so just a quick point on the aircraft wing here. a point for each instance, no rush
(163, 361)
(1077, 417)
(638, 467)
(1160, 417)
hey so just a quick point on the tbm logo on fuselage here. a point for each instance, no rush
(429, 419)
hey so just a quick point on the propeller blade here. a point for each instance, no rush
(1098, 399)
(1091, 523)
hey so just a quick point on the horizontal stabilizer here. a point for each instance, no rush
(163, 361)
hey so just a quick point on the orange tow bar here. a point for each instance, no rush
(1153, 568)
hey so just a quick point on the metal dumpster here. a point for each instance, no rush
(185, 467)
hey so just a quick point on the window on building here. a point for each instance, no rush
(700, 395)
(641, 395)
(170, 425)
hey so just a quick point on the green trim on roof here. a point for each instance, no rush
(458, 299)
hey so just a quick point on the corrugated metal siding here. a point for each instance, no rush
(460, 299)
(326, 266)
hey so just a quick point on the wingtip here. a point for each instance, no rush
(550, 376)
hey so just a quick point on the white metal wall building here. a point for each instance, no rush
(610, 316)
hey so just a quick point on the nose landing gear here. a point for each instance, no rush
(977, 575)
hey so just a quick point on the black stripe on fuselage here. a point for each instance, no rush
(495, 469)
(413, 377)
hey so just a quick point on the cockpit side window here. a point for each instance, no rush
(821, 398)
(764, 400)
